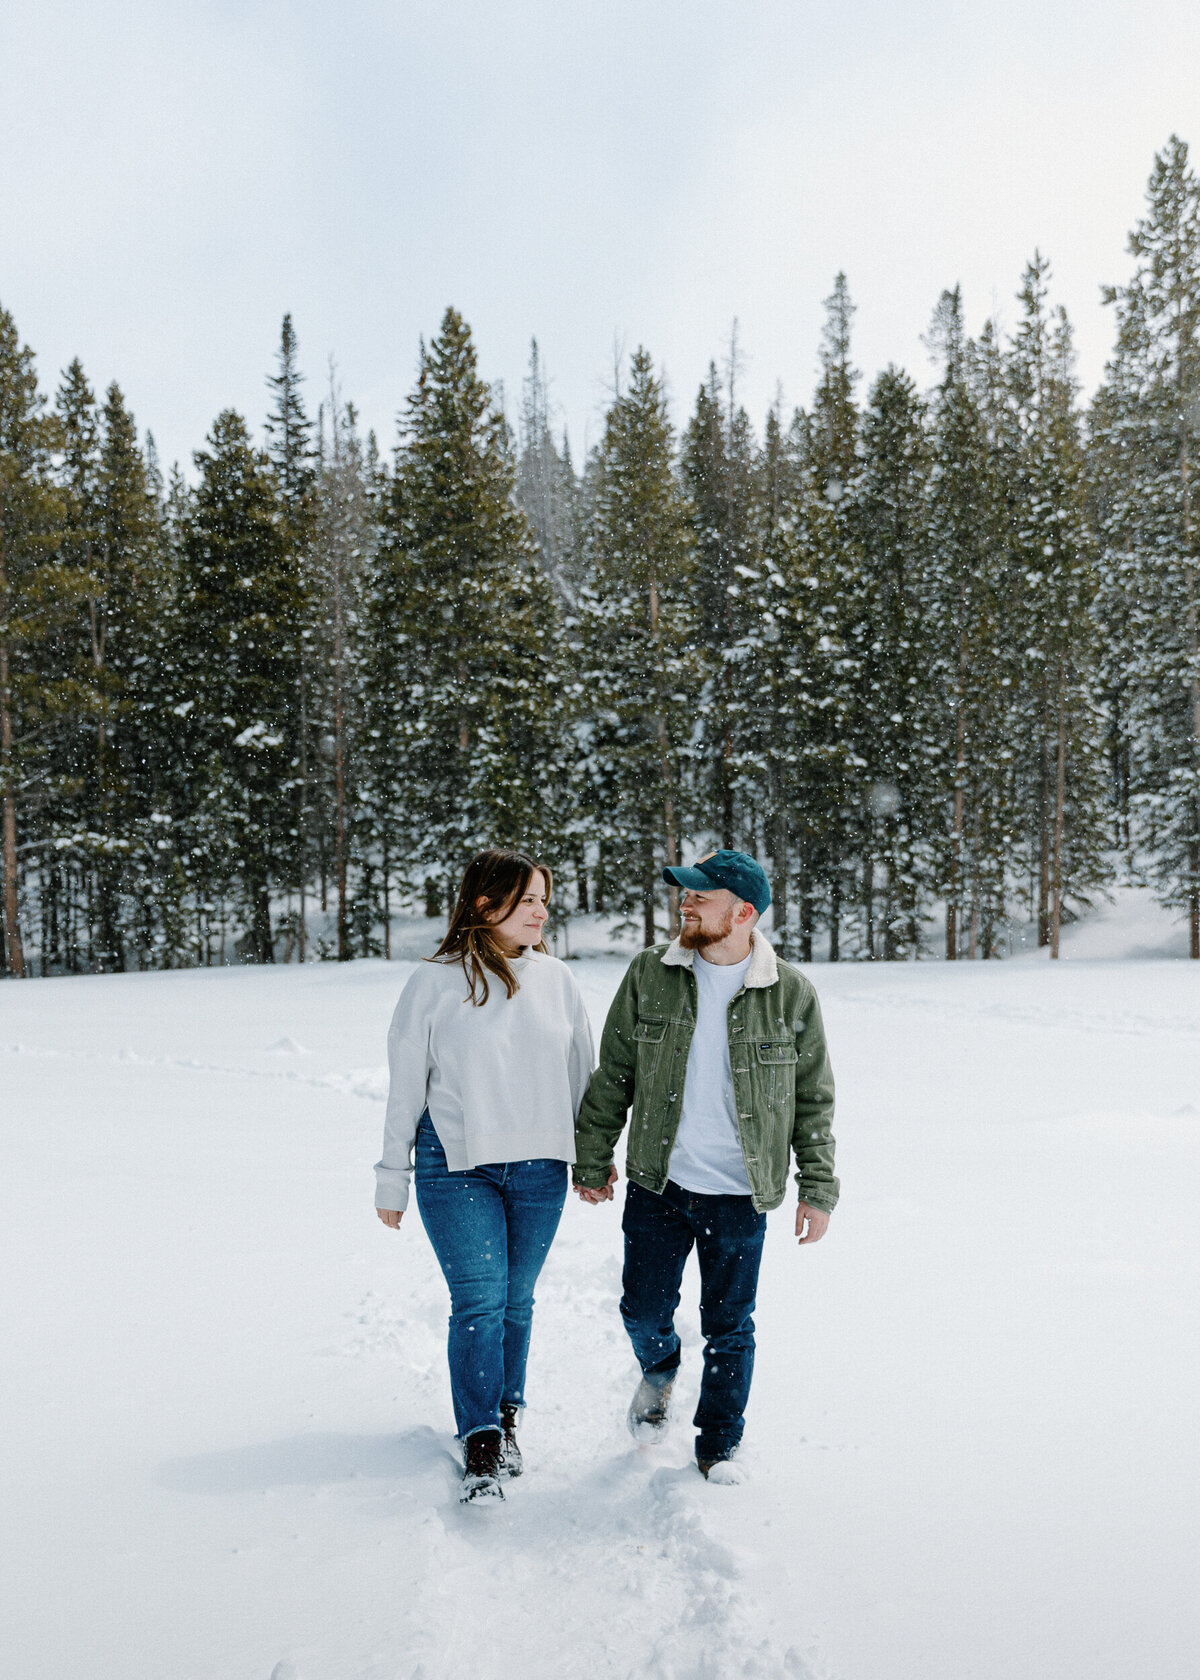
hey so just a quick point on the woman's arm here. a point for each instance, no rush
(408, 1065)
(582, 1058)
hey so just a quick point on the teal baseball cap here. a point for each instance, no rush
(737, 872)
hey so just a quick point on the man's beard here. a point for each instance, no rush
(695, 938)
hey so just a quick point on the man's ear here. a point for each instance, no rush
(746, 909)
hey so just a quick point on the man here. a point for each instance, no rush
(718, 1047)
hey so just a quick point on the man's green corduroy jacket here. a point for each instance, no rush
(782, 1081)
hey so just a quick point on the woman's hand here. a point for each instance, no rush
(390, 1217)
(594, 1196)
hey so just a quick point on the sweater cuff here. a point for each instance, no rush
(391, 1188)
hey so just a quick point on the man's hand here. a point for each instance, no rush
(605, 1195)
(390, 1217)
(816, 1221)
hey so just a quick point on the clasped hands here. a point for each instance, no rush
(811, 1223)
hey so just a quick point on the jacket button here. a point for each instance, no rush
(671, 1097)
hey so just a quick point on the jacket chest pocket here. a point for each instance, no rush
(649, 1035)
(775, 1064)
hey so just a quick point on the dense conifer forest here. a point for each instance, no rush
(932, 654)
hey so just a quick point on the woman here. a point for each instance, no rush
(490, 1053)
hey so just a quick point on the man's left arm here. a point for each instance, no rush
(812, 1125)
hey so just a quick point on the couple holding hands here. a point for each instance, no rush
(717, 1047)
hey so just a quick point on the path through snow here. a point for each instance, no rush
(225, 1427)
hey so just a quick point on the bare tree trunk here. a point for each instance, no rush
(339, 765)
(869, 901)
(1194, 691)
(669, 825)
(303, 836)
(664, 759)
(1060, 804)
(649, 935)
(14, 950)
(804, 889)
(339, 843)
(1043, 904)
(387, 900)
(12, 927)
(779, 877)
(954, 884)
(581, 882)
(893, 893)
(835, 920)
(261, 940)
(727, 835)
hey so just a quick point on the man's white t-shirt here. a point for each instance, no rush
(707, 1157)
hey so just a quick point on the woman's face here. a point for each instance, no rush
(523, 923)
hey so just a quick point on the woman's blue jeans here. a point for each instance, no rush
(491, 1228)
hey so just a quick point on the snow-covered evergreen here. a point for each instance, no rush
(933, 655)
(1146, 420)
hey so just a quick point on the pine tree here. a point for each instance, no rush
(460, 666)
(74, 659)
(1050, 621)
(344, 542)
(135, 595)
(794, 735)
(633, 646)
(1145, 424)
(240, 609)
(898, 723)
(39, 592)
(964, 598)
(111, 538)
(719, 471)
(292, 455)
(547, 490)
(833, 479)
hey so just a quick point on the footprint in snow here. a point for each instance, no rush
(286, 1047)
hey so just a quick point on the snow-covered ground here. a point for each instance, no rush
(972, 1443)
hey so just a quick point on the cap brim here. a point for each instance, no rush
(695, 879)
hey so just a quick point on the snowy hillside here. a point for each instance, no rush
(225, 1424)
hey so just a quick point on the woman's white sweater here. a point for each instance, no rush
(502, 1081)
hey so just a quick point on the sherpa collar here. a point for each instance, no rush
(763, 970)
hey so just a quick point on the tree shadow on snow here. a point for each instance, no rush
(306, 1460)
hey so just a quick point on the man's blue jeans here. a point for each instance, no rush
(491, 1228)
(727, 1233)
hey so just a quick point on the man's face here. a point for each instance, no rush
(706, 917)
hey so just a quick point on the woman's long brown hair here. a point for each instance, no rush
(499, 879)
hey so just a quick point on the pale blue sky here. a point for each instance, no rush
(176, 176)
